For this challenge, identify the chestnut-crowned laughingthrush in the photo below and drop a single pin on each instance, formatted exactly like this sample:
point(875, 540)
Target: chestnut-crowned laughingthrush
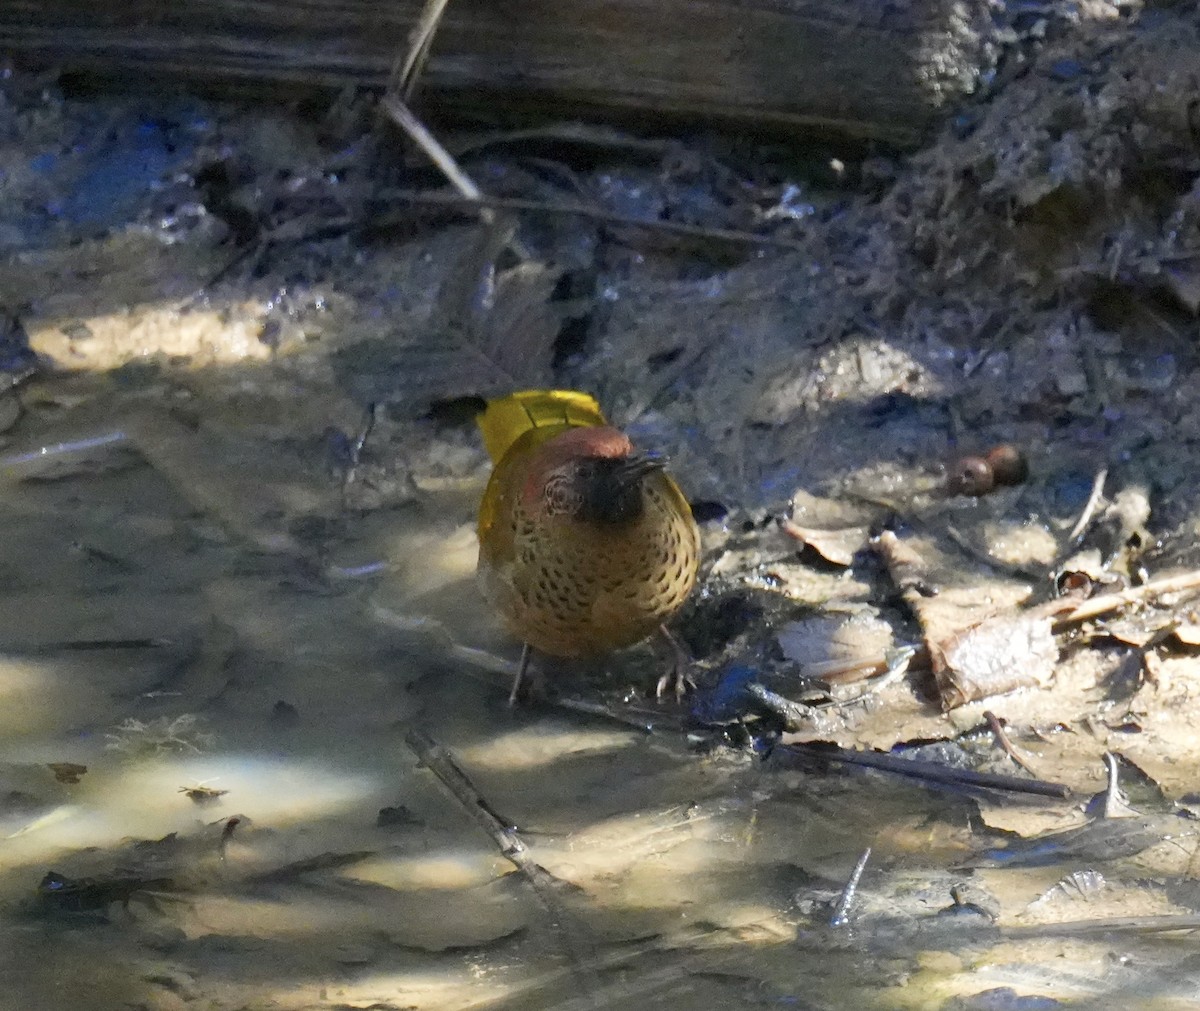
point(585, 544)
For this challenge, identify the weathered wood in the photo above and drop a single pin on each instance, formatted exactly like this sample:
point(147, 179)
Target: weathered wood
point(866, 68)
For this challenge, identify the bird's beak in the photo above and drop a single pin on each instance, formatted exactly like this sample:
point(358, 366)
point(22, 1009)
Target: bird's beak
point(636, 466)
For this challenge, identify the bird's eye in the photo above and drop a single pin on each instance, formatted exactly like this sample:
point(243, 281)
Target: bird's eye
point(559, 497)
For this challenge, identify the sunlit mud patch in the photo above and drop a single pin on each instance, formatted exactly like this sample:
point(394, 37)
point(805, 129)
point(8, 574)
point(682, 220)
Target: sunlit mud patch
point(205, 337)
point(152, 798)
point(23, 691)
point(540, 746)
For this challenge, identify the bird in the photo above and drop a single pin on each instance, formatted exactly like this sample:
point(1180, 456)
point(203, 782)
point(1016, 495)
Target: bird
point(586, 544)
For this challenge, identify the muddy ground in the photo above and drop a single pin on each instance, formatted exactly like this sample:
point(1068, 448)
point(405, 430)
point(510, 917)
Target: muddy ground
point(255, 746)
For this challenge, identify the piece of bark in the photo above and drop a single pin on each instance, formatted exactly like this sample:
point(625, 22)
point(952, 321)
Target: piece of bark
point(852, 67)
point(977, 646)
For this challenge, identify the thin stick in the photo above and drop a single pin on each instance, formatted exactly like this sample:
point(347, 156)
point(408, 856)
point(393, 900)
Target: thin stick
point(438, 761)
point(15, 461)
point(1005, 744)
point(356, 450)
point(522, 668)
point(543, 884)
point(841, 911)
point(1114, 804)
point(406, 119)
point(931, 771)
point(1089, 509)
point(1096, 606)
point(647, 723)
point(1113, 925)
point(406, 71)
point(733, 235)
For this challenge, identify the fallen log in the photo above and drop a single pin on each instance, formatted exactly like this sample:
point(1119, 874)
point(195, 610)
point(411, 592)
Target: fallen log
point(861, 68)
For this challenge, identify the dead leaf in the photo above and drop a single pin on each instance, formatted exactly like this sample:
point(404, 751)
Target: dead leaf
point(998, 655)
point(202, 795)
point(67, 772)
point(835, 546)
point(834, 647)
point(1188, 634)
point(1183, 281)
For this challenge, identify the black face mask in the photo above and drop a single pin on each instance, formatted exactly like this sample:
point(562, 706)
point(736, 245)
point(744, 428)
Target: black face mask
point(610, 491)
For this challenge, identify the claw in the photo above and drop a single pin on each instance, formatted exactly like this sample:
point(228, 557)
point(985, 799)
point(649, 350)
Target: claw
point(678, 672)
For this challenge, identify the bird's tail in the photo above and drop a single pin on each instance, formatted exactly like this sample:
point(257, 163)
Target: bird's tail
point(506, 419)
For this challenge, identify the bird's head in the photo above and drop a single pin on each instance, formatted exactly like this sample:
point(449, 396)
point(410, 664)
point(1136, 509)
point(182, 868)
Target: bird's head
point(590, 474)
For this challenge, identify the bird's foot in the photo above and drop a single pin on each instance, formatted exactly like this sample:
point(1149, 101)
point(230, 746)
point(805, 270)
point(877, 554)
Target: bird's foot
point(679, 670)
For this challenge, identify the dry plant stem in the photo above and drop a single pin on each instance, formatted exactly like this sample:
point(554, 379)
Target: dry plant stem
point(647, 724)
point(1089, 508)
point(404, 117)
point(1006, 745)
point(15, 464)
point(841, 912)
point(1116, 924)
point(406, 72)
point(1115, 803)
point(932, 772)
point(522, 668)
point(543, 884)
point(360, 441)
point(419, 134)
point(1096, 606)
point(83, 645)
point(438, 761)
point(731, 235)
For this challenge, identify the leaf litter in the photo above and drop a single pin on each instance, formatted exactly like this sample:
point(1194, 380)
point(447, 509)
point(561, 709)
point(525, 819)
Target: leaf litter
point(1022, 281)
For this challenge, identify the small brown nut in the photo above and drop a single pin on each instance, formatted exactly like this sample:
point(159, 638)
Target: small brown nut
point(970, 475)
point(1073, 583)
point(1008, 464)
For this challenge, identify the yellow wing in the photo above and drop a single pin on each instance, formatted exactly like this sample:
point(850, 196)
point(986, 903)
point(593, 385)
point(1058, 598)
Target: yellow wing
point(506, 419)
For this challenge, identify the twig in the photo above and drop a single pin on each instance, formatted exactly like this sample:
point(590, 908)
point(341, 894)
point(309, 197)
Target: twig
point(438, 761)
point(522, 670)
point(1096, 606)
point(1112, 803)
point(733, 235)
point(543, 884)
point(406, 71)
point(83, 645)
point(841, 911)
point(647, 723)
point(15, 461)
point(356, 448)
point(406, 119)
point(1006, 745)
point(419, 134)
point(1111, 925)
point(1089, 509)
point(895, 664)
point(931, 772)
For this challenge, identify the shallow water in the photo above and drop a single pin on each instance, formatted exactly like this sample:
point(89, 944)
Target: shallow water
point(166, 627)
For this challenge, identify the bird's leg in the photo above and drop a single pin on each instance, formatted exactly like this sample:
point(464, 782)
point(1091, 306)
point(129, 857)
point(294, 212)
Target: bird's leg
point(678, 672)
point(521, 669)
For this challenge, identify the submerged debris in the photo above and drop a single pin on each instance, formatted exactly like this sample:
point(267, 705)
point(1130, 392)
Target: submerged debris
point(179, 734)
point(85, 895)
